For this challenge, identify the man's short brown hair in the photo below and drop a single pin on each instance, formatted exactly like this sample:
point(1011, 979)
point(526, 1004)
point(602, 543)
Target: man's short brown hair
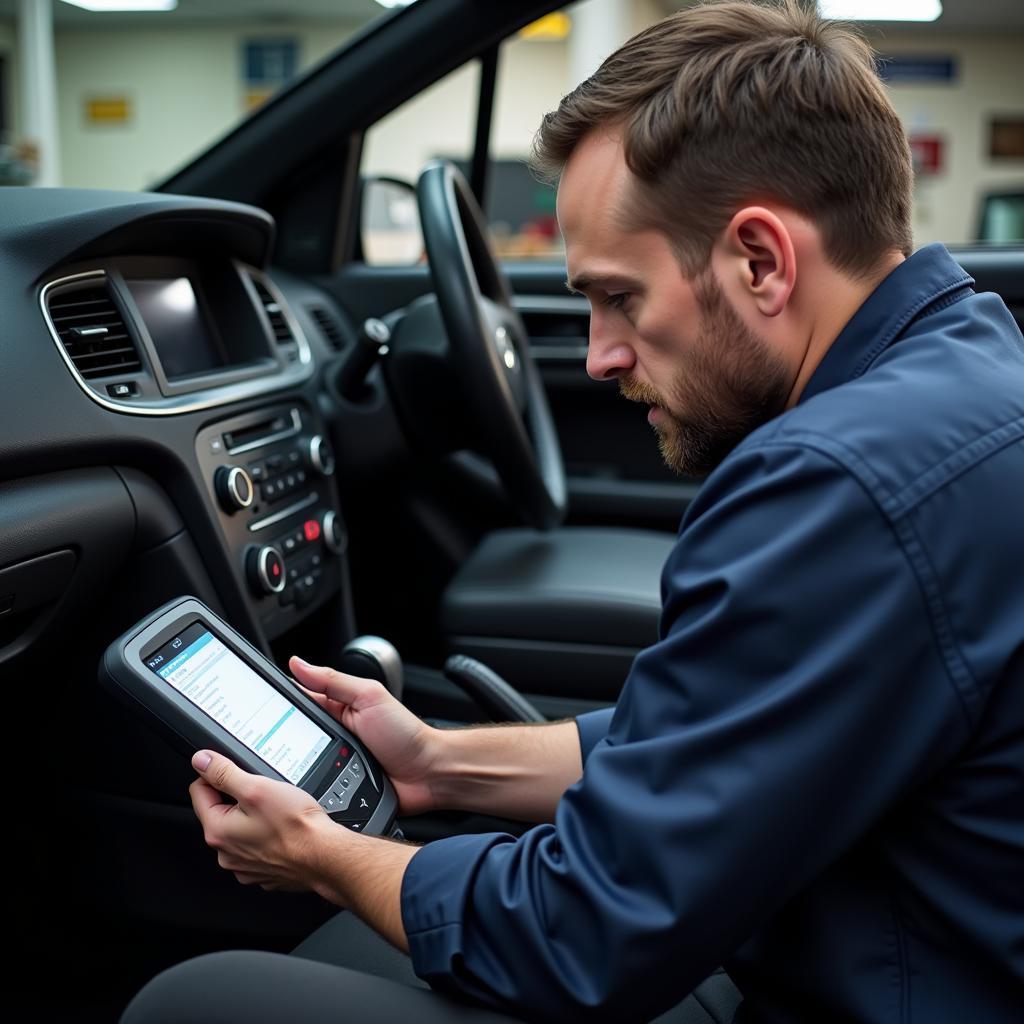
point(732, 102)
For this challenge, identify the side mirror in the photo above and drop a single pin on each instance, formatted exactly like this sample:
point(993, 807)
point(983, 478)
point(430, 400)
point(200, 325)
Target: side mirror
point(389, 222)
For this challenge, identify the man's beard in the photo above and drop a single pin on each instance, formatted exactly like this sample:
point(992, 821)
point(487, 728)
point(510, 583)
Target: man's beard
point(729, 384)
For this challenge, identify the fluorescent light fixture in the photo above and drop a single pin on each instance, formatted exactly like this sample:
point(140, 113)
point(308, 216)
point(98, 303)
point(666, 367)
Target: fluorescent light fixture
point(881, 10)
point(112, 6)
point(395, 3)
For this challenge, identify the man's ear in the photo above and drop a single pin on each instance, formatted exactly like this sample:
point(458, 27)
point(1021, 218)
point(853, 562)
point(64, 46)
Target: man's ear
point(760, 248)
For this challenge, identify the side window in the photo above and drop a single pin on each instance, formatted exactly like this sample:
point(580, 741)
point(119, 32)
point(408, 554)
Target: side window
point(959, 97)
point(438, 122)
point(531, 80)
point(536, 69)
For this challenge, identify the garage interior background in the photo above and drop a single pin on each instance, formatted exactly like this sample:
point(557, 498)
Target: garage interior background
point(135, 95)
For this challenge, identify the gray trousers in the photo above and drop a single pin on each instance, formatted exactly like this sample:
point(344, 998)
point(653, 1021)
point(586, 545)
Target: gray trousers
point(344, 973)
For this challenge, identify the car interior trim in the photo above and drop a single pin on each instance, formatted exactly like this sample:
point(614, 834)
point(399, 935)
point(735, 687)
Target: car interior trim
point(262, 524)
point(214, 397)
point(269, 438)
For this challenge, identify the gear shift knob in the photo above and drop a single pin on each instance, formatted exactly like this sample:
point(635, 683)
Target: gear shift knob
point(373, 657)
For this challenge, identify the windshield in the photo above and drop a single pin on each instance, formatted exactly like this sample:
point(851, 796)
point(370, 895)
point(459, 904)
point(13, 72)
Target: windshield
point(139, 94)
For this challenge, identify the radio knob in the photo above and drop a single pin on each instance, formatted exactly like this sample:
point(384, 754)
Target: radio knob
point(320, 455)
point(335, 535)
point(264, 568)
point(234, 488)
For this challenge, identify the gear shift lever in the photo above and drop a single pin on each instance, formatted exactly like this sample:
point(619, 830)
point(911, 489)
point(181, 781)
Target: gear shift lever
point(490, 691)
point(373, 657)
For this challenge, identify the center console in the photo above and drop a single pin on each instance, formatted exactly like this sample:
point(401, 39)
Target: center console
point(269, 475)
point(162, 335)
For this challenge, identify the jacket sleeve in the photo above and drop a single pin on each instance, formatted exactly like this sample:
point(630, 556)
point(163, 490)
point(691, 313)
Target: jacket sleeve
point(593, 727)
point(797, 691)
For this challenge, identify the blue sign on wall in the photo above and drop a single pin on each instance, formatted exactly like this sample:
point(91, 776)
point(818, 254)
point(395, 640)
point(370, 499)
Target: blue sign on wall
point(271, 61)
point(916, 69)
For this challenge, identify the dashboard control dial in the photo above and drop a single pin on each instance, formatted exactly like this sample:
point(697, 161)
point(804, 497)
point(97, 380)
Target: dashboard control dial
point(265, 570)
point(335, 536)
point(320, 455)
point(234, 488)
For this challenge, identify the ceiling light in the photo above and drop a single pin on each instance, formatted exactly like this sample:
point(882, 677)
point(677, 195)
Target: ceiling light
point(110, 6)
point(881, 10)
point(395, 3)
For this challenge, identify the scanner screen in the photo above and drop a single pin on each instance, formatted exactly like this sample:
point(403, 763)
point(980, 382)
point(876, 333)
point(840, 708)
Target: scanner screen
point(218, 682)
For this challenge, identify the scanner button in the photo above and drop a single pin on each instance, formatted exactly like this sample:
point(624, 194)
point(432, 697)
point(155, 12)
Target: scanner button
point(342, 790)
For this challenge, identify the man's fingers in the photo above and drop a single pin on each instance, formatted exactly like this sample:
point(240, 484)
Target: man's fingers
point(337, 685)
point(221, 773)
point(249, 879)
point(205, 798)
point(317, 698)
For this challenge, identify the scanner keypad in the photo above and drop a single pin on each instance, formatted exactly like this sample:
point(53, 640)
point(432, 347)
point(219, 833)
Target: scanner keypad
point(340, 792)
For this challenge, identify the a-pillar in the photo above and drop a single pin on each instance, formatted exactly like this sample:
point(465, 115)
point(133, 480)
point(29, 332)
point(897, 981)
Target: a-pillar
point(38, 86)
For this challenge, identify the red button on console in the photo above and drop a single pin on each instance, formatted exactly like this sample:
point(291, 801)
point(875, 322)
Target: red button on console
point(311, 528)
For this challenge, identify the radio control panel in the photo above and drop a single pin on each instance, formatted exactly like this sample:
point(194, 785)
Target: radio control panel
point(270, 479)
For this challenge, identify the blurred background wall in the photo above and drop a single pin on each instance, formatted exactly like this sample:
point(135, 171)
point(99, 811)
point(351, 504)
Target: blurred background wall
point(139, 94)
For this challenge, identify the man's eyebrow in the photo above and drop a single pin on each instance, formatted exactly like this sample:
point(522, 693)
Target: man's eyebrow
point(579, 284)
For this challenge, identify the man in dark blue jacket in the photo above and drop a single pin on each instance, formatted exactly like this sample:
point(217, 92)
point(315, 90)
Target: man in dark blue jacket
point(817, 774)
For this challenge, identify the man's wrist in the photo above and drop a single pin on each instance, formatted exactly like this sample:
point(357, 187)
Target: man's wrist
point(453, 766)
point(360, 873)
point(323, 856)
point(512, 770)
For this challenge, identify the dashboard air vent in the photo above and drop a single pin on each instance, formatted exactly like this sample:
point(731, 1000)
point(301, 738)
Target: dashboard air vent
point(93, 332)
point(275, 314)
point(327, 325)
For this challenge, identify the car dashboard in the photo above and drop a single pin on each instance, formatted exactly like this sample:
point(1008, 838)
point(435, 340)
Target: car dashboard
point(161, 394)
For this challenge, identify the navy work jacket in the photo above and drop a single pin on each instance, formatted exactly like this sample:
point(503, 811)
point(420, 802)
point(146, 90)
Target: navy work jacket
point(816, 776)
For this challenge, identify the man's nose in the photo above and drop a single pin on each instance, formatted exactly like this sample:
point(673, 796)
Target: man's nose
point(608, 356)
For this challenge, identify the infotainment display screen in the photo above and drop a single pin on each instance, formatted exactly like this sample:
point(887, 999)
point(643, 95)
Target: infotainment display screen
point(184, 339)
point(218, 682)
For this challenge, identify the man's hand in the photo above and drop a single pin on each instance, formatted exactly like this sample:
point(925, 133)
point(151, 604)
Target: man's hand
point(516, 770)
point(270, 837)
point(278, 837)
point(406, 747)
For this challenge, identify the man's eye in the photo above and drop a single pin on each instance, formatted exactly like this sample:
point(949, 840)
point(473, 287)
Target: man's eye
point(616, 301)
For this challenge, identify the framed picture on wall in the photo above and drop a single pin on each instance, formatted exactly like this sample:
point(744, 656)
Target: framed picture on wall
point(1006, 137)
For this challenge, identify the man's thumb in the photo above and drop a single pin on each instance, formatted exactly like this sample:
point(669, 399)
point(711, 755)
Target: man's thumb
point(220, 772)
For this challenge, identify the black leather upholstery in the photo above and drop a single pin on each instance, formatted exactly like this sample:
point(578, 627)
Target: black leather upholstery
point(558, 612)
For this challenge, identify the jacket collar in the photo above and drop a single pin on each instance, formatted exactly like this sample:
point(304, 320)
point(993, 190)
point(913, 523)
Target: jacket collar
point(928, 276)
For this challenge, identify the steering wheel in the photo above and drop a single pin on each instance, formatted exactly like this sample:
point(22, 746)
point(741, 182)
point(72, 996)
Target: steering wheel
point(507, 405)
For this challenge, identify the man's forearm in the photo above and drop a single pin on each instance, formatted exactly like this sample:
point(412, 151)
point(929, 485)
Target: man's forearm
point(362, 874)
point(515, 771)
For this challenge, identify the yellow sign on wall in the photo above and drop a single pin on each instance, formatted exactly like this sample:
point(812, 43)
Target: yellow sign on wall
point(108, 110)
point(550, 27)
